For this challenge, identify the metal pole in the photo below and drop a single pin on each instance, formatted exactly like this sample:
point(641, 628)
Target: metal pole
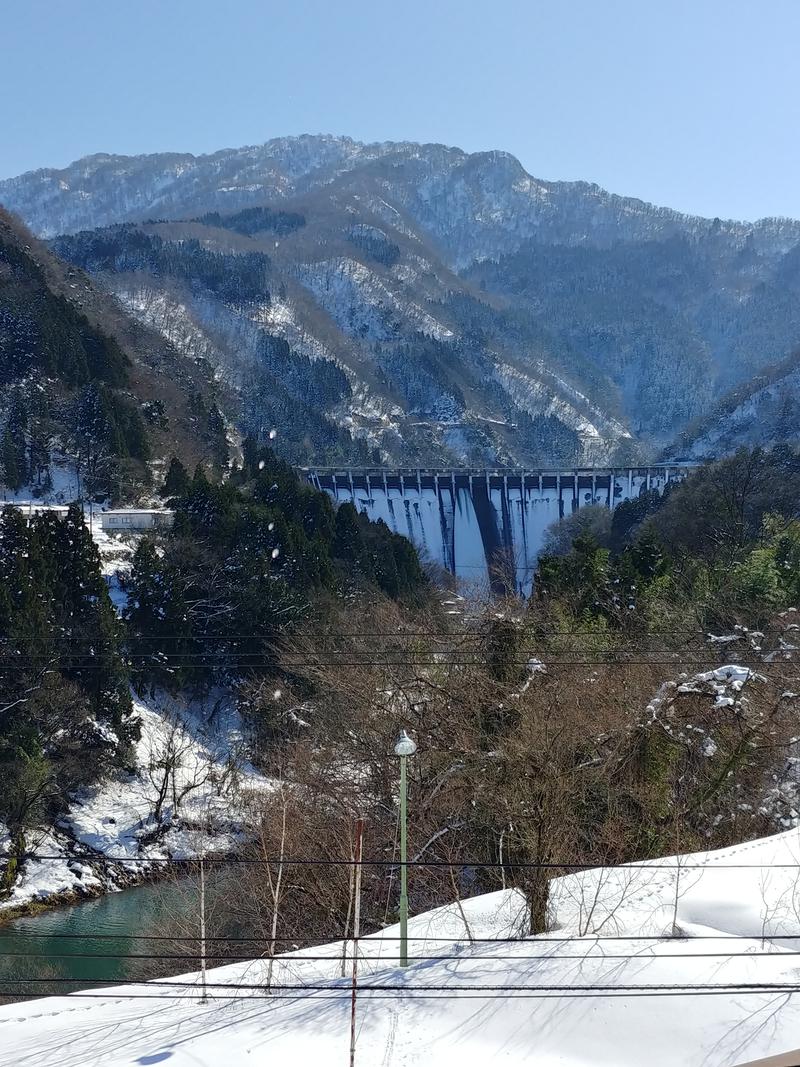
point(203, 927)
point(356, 932)
point(403, 865)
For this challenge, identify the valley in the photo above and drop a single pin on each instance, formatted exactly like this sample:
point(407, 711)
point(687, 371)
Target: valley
point(510, 465)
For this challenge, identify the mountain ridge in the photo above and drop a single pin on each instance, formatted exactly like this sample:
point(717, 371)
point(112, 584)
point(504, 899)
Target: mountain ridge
point(478, 314)
point(361, 151)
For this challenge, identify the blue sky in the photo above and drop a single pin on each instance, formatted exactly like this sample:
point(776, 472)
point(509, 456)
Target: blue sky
point(690, 104)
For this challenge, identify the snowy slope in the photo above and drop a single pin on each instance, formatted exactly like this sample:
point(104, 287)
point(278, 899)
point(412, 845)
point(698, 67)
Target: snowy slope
point(762, 413)
point(205, 810)
point(573, 998)
point(386, 341)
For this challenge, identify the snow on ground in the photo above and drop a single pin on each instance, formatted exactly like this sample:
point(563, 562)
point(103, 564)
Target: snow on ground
point(361, 303)
point(43, 878)
point(203, 790)
point(615, 983)
point(116, 559)
point(195, 755)
point(63, 489)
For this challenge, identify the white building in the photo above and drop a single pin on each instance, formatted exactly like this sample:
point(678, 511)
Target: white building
point(135, 519)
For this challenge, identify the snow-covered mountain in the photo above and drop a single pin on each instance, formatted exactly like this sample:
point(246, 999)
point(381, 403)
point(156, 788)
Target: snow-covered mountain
point(466, 311)
point(479, 205)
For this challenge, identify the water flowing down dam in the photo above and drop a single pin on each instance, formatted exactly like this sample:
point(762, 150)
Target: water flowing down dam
point(484, 526)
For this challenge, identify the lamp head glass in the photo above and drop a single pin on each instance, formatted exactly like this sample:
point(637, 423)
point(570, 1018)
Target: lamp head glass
point(405, 745)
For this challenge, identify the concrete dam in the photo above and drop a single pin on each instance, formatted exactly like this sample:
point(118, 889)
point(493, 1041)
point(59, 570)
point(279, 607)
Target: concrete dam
point(484, 526)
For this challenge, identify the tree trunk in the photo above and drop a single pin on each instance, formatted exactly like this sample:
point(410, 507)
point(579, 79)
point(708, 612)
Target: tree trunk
point(538, 892)
point(9, 875)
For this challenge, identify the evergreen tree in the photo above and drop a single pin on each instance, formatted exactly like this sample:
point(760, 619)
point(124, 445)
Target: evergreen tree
point(348, 540)
point(242, 561)
point(14, 444)
point(86, 613)
point(177, 480)
point(66, 680)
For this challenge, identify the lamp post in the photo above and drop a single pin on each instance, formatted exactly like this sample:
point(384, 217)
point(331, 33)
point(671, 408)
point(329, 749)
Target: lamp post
point(404, 748)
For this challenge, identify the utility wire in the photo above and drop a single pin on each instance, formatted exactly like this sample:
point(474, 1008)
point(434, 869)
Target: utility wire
point(643, 865)
point(399, 655)
point(204, 660)
point(383, 987)
point(413, 994)
point(471, 634)
point(542, 939)
point(646, 953)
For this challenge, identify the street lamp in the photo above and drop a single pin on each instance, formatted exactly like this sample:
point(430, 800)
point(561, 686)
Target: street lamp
point(404, 748)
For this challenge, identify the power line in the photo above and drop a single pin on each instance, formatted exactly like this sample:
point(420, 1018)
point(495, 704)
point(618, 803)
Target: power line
point(370, 938)
point(378, 657)
point(544, 939)
point(308, 654)
point(452, 637)
point(559, 659)
point(401, 657)
point(415, 956)
point(102, 994)
point(450, 989)
point(644, 865)
point(641, 642)
point(466, 634)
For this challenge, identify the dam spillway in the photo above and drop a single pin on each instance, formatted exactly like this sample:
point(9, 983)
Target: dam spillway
point(479, 524)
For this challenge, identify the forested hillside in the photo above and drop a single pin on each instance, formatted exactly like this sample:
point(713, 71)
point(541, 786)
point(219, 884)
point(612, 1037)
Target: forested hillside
point(421, 305)
point(245, 561)
point(673, 323)
point(90, 397)
point(763, 411)
point(209, 603)
point(341, 355)
point(65, 710)
point(208, 302)
point(716, 551)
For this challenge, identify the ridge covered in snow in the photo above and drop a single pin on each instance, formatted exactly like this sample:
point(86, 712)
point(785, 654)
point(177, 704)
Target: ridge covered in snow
point(508, 319)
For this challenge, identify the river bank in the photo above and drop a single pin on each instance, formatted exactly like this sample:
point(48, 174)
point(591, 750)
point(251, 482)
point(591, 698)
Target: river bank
point(108, 880)
point(140, 932)
point(192, 792)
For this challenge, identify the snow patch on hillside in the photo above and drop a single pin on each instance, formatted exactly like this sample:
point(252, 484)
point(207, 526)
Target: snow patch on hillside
point(599, 432)
point(171, 317)
point(64, 487)
point(361, 304)
point(190, 791)
point(202, 772)
point(279, 317)
point(769, 415)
